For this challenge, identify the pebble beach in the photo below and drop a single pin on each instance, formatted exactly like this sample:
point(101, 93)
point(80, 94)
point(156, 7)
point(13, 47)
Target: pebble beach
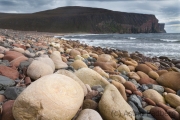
point(47, 78)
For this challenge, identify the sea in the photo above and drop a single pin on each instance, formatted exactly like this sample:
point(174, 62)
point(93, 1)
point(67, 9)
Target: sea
point(150, 44)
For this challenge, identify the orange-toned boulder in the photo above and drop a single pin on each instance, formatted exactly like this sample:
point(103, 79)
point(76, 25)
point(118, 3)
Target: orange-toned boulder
point(73, 53)
point(123, 67)
point(170, 80)
point(89, 104)
point(145, 79)
point(11, 55)
point(149, 101)
point(130, 86)
point(151, 65)
point(120, 88)
point(105, 66)
point(94, 55)
point(173, 114)
point(7, 110)
point(133, 75)
point(153, 95)
point(164, 106)
point(137, 92)
point(130, 61)
point(131, 68)
point(77, 64)
point(2, 98)
point(101, 72)
point(144, 68)
point(104, 58)
point(160, 72)
point(16, 62)
point(9, 72)
point(153, 75)
point(159, 114)
point(169, 90)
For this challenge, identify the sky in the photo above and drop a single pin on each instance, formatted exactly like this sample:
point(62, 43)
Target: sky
point(166, 11)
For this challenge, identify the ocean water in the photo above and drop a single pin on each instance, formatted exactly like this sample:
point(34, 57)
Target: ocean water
point(152, 44)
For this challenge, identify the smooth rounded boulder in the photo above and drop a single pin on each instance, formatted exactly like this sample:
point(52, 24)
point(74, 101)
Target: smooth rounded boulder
point(91, 77)
point(74, 77)
point(52, 97)
point(56, 58)
point(38, 69)
point(101, 72)
point(104, 58)
point(170, 80)
point(144, 68)
point(123, 67)
point(89, 114)
point(45, 59)
point(153, 95)
point(172, 99)
point(112, 105)
point(77, 64)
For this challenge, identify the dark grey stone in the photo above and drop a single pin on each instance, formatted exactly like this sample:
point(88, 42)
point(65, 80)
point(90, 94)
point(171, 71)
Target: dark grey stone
point(95, 87)
point(24, 64)
point(144, 117)
point(143, 87)
point(6, 82)
point(70, 68)
point(70, 60)
point(100, 89)
point(178, 93)
point(5, 63)
point(30, 50)
point(135, 83)
point(13, 92)
point(158, 88)
point(133, 106)
point(125, 77)
point(135, 100)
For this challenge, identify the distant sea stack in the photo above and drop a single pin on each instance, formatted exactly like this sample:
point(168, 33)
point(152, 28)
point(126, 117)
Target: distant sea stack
point(77, 19)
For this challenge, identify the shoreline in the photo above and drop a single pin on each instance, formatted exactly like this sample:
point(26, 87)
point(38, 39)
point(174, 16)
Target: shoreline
point(107, 83)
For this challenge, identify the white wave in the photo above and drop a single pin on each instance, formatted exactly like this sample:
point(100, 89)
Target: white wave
point(63, 38)
point(169, 40)
point(131, 38)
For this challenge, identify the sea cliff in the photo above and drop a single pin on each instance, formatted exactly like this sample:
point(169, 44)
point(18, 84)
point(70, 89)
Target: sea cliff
point(82, 19)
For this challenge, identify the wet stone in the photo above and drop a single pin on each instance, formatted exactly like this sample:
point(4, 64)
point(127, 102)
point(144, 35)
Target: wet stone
point(13, 92)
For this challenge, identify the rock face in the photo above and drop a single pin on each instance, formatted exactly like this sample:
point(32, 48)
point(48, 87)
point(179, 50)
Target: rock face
point(55, 96)
point(83, 19)
point(112, 105)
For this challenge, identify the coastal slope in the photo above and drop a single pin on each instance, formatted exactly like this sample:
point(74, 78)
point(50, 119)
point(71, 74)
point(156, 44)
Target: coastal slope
point(82, 19)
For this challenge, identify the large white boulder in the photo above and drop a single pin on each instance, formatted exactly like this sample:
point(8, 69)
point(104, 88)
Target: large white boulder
point(52, 97)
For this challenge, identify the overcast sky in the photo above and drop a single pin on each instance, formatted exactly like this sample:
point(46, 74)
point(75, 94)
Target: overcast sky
point(166, 11)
